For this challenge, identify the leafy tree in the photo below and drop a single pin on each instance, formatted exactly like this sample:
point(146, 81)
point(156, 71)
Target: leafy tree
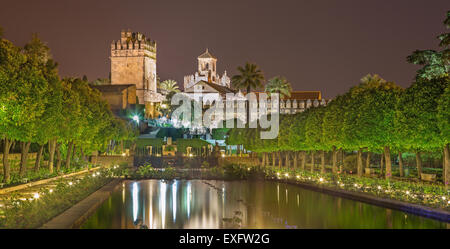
point(417, 109)
point(47, 127)
point(22, 86)
point(436, 64)
point(443, 119)
point(378, 113)
point(313, 132)
point(72, 118)
point(332, 128)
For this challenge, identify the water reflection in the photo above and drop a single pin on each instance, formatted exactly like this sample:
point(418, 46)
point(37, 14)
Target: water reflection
point(174, 200)
point(135, 201)
point(240, 204)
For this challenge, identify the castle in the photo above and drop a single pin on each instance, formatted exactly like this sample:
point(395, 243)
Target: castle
point(133, 61)
point(134, 80)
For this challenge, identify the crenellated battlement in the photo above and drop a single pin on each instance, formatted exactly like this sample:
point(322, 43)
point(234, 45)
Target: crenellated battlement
point(133, 44)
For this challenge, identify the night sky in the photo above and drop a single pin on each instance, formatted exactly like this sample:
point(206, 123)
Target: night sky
point(316, 45)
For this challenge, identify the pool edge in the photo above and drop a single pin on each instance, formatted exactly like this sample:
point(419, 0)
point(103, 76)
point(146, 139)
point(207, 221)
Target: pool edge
point(424, 211)
point(76, 215)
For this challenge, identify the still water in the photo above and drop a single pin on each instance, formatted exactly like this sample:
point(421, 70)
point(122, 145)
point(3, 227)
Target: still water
point(240, 204)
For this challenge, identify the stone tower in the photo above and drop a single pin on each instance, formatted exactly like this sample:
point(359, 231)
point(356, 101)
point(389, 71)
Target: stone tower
point(206, 71)
point(207, 66)
point(133, 61)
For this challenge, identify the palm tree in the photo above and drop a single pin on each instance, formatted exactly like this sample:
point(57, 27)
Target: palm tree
point(249, 77)
point(168, 86)
point(279, 85)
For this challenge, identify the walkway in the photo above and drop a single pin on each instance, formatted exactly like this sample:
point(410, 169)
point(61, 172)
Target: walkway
point(30, 191)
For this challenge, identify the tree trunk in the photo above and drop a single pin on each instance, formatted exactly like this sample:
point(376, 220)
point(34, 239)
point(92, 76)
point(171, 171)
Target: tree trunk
point(446, 165)
point(74, 150)
point(419, 164)
point(303, 160)
point(263, 159)
point(295, 159)
point(312, 161)
point(82, 153)
point(341, 163)
point(382, 164)
point(51, 153)
point(280, 159)
point(368, 159)
point(25, 147)
point(68, 156)
point(37, 164)
point(288, 161)
point(58, 157)
point(400, 164)
point(359, 163)
point(273, 159)
point(6, 170)
point(334, 167)
point(387, 155)
point(266, 156)
point(322, 161)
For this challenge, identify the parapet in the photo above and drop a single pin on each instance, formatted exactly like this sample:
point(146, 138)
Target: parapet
point(133, 41)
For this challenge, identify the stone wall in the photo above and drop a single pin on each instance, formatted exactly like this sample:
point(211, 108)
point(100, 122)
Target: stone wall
point(16, 156)
point(112, 160)
point(247, 161)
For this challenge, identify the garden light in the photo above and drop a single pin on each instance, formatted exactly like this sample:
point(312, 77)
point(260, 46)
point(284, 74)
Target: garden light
point(321, 179)
point(36, 196)
point(287, 175)
point(136, 118)
point(70, 183)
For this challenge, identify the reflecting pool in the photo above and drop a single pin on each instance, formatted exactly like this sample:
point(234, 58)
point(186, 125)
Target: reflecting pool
point(241, 204)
